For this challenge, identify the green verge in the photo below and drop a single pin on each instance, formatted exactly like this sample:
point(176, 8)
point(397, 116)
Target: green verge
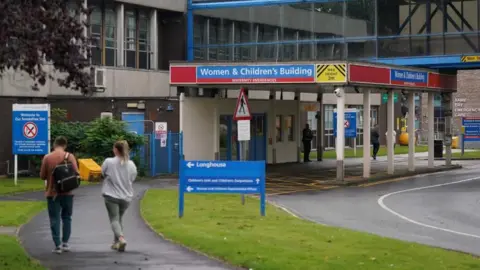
point(218, 225)
point(349, 153)
point(7, 185)
point(12, 255)
point(467, 155)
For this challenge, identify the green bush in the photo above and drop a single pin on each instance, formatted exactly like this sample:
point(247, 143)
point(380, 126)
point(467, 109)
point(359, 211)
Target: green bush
point(92, 139)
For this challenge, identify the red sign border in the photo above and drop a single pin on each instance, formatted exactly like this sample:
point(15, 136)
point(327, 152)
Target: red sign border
point(25, 135)
point(242, 94)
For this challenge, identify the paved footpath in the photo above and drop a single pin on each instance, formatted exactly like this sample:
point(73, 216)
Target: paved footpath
point(92, 237)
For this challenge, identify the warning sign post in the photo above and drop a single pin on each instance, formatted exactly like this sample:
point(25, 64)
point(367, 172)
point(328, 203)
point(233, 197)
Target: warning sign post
point(30, 131)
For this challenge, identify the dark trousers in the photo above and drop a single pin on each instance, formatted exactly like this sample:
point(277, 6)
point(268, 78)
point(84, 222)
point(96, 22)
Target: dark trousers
point(307, 147)
point(376, 147)
point(60, 210)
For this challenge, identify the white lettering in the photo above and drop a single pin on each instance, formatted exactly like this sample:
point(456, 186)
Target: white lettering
point(214, 72)
point(211, 165)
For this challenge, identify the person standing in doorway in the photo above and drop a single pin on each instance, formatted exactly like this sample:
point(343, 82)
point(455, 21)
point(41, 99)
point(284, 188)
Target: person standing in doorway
point(307, 143)
point(60, 205)
point(118, 173)
point(375, 140)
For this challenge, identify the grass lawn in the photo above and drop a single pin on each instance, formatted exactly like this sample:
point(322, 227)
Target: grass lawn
point(12, 255)
point(14, 213)
point(220, 226)
point(470, 154)
point(349, 153)
point(7, 186)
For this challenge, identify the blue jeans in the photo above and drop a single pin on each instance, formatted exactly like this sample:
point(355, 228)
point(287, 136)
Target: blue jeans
point(60, 210)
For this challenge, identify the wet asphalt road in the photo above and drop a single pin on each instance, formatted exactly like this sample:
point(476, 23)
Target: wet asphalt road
point(435, 209)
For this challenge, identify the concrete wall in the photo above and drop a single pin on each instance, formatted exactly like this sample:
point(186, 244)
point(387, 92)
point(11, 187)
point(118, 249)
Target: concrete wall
point(292, 18)
point(175, 5)
point(121, 82)
point(199, 122)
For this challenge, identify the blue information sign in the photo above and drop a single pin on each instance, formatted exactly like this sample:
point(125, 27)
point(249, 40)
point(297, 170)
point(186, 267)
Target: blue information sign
point(350, 123)
point(233, 177)
point(472, 129)
point(31, 129)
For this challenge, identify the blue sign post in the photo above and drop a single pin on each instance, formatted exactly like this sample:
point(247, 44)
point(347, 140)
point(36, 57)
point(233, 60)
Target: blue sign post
point(472, 129)
point(350, 123)
point(230, 177)
point(30, 131)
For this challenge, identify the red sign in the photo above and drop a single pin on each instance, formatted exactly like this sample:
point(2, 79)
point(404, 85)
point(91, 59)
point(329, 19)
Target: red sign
point(242, 109)
point(30, 130)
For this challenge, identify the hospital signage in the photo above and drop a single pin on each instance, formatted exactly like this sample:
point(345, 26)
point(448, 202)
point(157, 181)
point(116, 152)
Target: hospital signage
point(409, 78)
point(256, 74)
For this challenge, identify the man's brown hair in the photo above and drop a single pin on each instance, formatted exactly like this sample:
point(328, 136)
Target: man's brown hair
point(60, 141)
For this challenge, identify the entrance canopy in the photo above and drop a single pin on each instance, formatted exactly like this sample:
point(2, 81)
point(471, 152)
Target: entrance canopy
point(308, 76)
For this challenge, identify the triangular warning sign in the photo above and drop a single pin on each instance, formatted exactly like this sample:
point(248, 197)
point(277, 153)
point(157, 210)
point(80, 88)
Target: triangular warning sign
point(242, 110)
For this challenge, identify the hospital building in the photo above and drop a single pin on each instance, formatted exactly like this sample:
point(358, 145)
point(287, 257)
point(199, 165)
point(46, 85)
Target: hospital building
point(138, 40)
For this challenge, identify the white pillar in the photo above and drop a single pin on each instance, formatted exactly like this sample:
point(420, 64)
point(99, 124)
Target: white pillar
point(390, 122)
point(298, 128)
point(431, 129)
point(153, 40)
point(340, 139)
point(273, 125)
point(120, 13)
point(320, 127)
point(448, 129)
point(181, 102)
point(411, 131)
point(366, 133)
point(216, 130)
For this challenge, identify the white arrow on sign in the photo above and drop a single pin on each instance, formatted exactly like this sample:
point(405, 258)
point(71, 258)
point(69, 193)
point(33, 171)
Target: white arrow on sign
point(190, 165)
point(189, 188)
point(258, 181)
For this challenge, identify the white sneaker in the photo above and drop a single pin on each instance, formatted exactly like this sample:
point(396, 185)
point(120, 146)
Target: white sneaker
point(121, 244)
point(57, 250)
point(65, 247)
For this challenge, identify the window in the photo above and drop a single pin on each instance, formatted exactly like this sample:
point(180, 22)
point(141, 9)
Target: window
point(143, 41)
point(278, 124)
point(199, 35)
point(96, 35)
point(137, 39)
point(102, 30)
point(289, 127)
point(243, 34)
point(130, 39)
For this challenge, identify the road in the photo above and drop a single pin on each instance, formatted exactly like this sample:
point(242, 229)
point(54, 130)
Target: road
point(441, 209)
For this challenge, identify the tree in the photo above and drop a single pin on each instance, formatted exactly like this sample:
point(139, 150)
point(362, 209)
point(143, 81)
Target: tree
point(38, 32)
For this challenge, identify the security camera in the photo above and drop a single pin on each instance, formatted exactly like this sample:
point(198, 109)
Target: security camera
point(338, 92)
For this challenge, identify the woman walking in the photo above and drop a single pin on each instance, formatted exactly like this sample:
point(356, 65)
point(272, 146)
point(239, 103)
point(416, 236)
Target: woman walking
point(118, 174)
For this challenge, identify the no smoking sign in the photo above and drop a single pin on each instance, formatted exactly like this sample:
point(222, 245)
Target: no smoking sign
point(30, 130)
point(346, 124)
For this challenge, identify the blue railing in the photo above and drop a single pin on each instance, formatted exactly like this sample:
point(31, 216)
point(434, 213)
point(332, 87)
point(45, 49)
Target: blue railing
point(166, 155)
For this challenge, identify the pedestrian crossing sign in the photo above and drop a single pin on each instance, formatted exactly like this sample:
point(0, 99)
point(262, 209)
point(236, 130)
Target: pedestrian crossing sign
point(242, 109)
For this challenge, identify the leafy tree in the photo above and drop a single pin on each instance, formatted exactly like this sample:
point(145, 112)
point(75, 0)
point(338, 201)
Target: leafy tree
point(36, 32)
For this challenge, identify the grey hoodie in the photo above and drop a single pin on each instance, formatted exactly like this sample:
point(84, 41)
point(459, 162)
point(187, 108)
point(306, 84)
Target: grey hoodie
point(118, 178)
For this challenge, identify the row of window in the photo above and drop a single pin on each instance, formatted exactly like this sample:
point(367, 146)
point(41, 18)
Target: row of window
point(103, 31)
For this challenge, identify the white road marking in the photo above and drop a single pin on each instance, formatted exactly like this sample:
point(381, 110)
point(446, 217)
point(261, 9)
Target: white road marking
point(382, 204)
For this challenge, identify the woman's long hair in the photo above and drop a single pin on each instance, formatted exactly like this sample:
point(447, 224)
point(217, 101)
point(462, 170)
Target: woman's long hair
point(124, 150)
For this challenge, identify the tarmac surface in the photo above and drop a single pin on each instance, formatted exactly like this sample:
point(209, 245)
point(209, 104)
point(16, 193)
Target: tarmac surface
point(92, 237)
point(440, 209)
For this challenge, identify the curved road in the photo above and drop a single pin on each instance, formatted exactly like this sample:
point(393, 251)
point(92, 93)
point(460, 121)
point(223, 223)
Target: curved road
point(441, 209)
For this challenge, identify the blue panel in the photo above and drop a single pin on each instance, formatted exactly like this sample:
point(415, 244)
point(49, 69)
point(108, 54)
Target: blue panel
point(169, 154)
point(252, 3)
point(350, 122)
point(135, 123)
point(30, 130)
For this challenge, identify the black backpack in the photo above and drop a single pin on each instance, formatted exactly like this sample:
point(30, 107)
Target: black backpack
point(65, 178)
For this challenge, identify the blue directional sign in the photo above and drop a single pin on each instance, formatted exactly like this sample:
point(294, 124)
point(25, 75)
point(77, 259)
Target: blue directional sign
point(31, 129)
point(350, 123)
point(233, 177)
point(472, 129)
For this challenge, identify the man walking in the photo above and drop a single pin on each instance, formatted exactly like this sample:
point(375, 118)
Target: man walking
point(60, 206)
point(307, 143)
point(375, 140)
